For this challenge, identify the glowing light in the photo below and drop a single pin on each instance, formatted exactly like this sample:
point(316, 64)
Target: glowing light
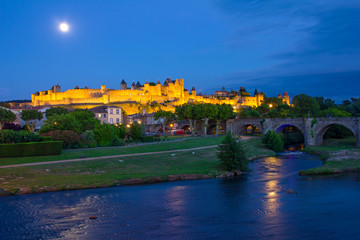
point(270, 105)
point(171, 125)
point(64, 27)
point(128, 125)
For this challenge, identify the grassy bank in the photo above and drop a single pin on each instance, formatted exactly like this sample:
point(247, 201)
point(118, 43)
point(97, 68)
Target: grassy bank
point(118, 171)
point(110, 151)
point(339, 156)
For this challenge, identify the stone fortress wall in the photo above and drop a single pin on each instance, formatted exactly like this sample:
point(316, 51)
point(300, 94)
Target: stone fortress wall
point(172, 91)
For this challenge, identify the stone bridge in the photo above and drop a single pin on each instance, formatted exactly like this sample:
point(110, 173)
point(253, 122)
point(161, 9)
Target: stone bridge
point(313, 129)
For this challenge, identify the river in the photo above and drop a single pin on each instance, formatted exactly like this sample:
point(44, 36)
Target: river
point(253, 206)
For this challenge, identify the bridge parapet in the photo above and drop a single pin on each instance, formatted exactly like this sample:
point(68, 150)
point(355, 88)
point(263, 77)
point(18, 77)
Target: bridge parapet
point(312, 128)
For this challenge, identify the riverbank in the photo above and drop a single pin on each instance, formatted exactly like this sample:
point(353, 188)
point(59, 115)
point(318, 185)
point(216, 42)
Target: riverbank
point(338, 155)
point(121, 170)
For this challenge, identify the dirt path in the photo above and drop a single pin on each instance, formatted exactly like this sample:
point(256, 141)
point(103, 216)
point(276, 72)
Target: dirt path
point(105, 157)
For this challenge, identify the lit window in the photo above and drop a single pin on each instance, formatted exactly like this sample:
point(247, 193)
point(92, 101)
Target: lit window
point(111, 111)
point(99, 115)
point(111, 121)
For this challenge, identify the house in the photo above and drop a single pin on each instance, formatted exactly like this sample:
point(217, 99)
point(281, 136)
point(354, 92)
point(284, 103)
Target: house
point(109, 114)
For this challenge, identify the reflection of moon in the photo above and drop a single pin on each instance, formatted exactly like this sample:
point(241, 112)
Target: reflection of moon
point(64, 27)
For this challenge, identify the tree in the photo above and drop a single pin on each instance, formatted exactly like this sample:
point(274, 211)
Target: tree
point(187, 112)
point(207, 111)
point(105, 134)
point(136, 130)
point(6, 116)
point(334, 112)
point(62, 123)
point(86, 119)
point(231, 154)
point(273, 141)
point(325, 103)
point(164, 117)
point(272, 102)
point(305, 105)
point(248, 113)
point(224, 112)
point(30, 117)
point(56, 111)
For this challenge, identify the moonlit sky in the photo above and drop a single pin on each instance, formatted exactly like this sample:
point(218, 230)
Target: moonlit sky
point(308, 46)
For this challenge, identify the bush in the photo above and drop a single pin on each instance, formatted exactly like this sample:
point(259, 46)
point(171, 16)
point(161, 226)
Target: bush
point(136, 130)
point(273, 141)
point(266, 138)
point(232, 154)
point(121, 131)
point(30, 136)
point(70, 138)
point(118, 142)
point(148, 139)
point(12, 126)
point(87, 136)
point(61, 123)
point(10, 136)
point(105, 134)
point(30, 149)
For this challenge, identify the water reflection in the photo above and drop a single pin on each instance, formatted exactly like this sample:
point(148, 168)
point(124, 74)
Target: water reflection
point(252, 206)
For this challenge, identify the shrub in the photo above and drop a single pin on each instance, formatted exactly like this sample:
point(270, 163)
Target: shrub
point(273, 141)
point(87, 136)
point(30, 136)
point(10, 136)
point(12, 126)
point(105, 134)
point(118, 142)
point(266, 137)
point(232, 154)
point(61, 123)
point(148, 139)
point(121, 131)
point(30, 149)
point(136, 130)
point(70, 138)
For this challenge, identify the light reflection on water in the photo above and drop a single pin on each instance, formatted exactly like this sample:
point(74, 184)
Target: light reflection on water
point(253, 206)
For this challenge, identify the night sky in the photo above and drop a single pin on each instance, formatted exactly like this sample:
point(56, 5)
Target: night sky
point(308, 46)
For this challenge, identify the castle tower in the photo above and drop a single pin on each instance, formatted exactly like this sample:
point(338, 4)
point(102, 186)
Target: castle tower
point(123, 85)
point(286, 98)
point(193, 91)
point(103, 88)
point(56, 88)
point(133, 86)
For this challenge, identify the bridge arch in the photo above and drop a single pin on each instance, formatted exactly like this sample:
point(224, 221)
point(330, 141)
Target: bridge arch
point(279, 127)
point(243, 127)
point(319, 138)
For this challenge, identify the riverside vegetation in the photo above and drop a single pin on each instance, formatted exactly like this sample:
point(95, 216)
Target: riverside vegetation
point(339, 156)
point(192, 164)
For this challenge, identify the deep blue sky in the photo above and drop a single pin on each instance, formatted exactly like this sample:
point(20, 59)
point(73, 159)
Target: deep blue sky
point(308, 46)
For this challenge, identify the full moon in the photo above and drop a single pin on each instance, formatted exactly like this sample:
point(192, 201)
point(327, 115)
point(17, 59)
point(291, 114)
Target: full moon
point(64, 27)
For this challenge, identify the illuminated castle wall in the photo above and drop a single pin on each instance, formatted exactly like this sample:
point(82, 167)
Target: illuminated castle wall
point(172, 93)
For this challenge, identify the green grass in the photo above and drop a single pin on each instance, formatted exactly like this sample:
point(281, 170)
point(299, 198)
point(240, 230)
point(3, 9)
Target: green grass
point(331, 167)
point(255, 148)
point(109, 151)
point(107, 172)
point(333, 145)
point(111, 172)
